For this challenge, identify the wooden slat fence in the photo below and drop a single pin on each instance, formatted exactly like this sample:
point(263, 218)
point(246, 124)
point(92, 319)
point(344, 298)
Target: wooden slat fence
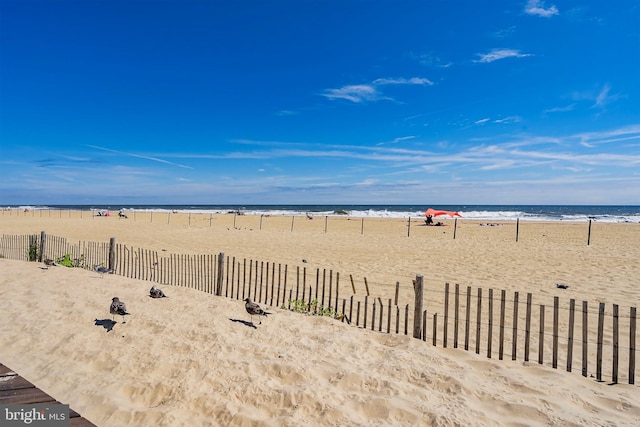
point(562, 334)
point(31, 248)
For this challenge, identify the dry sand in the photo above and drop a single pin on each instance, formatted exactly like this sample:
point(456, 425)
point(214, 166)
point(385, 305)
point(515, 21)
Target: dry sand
point(190, 360)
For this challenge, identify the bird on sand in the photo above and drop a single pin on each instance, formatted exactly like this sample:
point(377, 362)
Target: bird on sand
point(253, 308)
point(118, 307)
point(156, 293)
point(49, 262)
point(102, 270)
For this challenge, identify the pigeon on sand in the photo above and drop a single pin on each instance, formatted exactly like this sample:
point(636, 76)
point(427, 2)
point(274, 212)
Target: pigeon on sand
point(156, 293)
point(118, 307)
point(253, 308)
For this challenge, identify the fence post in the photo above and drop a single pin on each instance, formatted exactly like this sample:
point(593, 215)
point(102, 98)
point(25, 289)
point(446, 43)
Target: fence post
point(632, 345)
point(541, 339)
point(572, 308)
point(585, 336)
point(112, 253)
point(424, 325)
point(502, 310)
point(514, 344)
point(446, 315)
point(600, 341)
point(527, 328)
point(43, 244)
point(479, 323)
point(220, 277)
point(614, 374)
point(554, 361)
point(417, 316)
point(467, 319)
point(490, 327)
point(456, 315)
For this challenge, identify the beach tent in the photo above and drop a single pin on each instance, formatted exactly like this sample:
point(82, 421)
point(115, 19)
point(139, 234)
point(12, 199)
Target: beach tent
point(434, 213)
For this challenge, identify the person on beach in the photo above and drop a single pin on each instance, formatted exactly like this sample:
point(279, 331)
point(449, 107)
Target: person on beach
point(429, 220)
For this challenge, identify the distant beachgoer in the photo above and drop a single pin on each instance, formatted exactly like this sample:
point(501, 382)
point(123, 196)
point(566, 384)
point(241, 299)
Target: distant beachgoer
point(429, 220)
point(309, 216)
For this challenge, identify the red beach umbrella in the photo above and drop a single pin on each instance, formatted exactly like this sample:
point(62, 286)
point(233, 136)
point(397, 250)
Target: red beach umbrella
point(434, 213)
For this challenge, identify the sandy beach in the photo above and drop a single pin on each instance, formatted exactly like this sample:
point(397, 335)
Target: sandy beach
point(192, 359)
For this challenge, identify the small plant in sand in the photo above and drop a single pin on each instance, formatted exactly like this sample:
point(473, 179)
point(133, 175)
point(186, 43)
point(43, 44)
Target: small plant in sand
point(299, 306)
point(67, 261)
point(32, 254)
point(313, 307)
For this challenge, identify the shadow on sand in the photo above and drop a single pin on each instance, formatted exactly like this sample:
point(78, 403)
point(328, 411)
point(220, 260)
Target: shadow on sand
point(245, 323)
point(108, 324)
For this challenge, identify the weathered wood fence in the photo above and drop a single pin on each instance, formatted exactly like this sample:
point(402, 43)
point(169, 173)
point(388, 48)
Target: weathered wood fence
point(36, 247)
point(507, 327)
point(493, 325)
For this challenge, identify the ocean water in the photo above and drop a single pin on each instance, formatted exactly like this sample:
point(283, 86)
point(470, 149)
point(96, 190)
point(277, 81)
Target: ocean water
point(582, 213)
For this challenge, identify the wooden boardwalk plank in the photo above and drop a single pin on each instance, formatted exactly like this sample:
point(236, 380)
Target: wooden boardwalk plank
point(4, 370)
point(13, 382)
point(24, 395)
point(16, 390)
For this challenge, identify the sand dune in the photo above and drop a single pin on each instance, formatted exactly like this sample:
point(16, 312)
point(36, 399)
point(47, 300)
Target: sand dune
point(192, 359)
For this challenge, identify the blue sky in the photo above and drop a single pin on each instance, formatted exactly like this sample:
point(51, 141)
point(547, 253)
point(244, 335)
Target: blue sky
point(385, 102)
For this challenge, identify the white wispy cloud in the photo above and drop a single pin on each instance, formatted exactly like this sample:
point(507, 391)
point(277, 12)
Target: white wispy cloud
point(355, 93)
point(600, 97)
point(564, 109)
point(505, 33)
point(140, 156)
point(510, 119)
point(430, 60)
point(526, 151)
point(515, 161)
point(592, 139)
point(497, 54)
point(401, 81)
point(537, 8)
point(370, 92)
point(604, 97)
point(286, 113)
point(403, 138)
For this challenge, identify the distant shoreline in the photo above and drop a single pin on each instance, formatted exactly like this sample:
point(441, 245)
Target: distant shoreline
point(581, 213)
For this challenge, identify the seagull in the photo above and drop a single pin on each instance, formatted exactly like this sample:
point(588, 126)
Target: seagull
point(118, 307)
point(102, 270)
point(156, 293)
point(253, 308)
